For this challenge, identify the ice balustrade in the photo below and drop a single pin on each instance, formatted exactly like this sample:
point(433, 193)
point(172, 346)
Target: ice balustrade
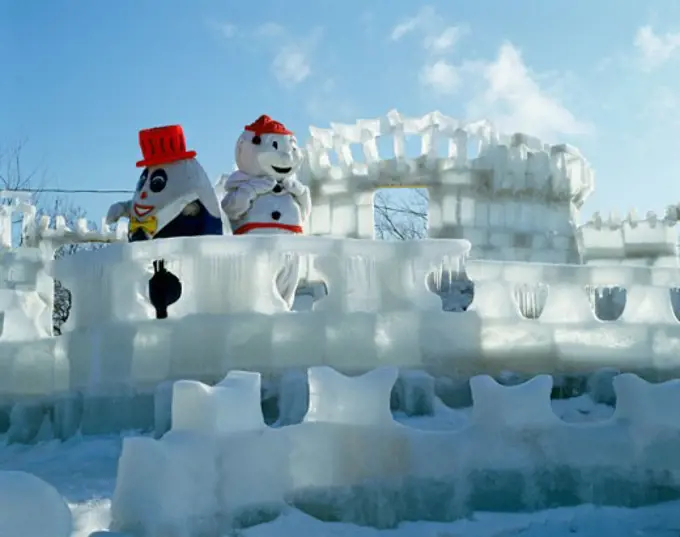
point(378, 310)
point(221, 463)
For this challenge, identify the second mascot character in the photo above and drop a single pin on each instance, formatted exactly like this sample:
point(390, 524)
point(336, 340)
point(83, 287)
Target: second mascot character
point(263, 195)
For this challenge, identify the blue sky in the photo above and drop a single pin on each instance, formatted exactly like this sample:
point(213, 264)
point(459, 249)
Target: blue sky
point(81, 78)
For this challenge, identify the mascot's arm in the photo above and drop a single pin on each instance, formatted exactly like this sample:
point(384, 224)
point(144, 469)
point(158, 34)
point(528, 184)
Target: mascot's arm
point(237, 201)
point(301, 194)
point(242, 191)
point(118, 211)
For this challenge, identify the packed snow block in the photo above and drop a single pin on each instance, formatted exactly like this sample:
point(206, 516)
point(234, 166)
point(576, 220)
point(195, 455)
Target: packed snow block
point(293, 400)
point(162, 408)
point(600, 386)
point(365, 399)
point(231, 406)
point(30, 507)
point(414, 393)
point(168, 486)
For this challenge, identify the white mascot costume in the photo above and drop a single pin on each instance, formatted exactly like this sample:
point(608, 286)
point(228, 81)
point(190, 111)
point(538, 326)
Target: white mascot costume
point(264, 196)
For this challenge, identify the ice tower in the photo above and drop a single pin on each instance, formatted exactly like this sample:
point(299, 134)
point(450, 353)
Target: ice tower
point(514, 197)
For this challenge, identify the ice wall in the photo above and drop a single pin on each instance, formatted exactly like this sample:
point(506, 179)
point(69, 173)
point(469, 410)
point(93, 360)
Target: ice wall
point(513, 197)
point(378, 310)
point(220, 464)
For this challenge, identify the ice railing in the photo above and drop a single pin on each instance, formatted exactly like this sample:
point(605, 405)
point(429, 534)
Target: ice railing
point(360, 276)
point(220, 461)
point(619, 238)
point(519, 162)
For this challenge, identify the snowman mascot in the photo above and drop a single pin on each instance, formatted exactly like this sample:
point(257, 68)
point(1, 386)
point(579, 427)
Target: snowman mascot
point(264, 196)
point(173, 196)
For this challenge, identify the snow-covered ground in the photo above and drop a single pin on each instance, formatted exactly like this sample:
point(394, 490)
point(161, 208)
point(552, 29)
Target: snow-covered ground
point(84, 469)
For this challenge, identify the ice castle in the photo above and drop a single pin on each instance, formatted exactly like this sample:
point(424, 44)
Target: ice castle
point(370, 324)
point(502, 212)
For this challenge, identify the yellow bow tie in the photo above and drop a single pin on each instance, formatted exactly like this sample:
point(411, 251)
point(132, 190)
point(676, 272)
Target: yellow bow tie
point(148, 225)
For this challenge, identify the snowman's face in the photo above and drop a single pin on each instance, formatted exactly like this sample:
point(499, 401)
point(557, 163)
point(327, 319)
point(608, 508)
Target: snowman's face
point(160, 185)
point(272, 155)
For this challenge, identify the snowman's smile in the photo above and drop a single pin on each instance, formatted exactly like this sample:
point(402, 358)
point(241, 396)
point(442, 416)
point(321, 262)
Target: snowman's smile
point(281, 170)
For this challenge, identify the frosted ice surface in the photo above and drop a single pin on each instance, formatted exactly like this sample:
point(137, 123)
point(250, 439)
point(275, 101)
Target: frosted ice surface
point(646, 404)
point(363, 400)
point(30, 507)
point(233, 405)
point(522, 405)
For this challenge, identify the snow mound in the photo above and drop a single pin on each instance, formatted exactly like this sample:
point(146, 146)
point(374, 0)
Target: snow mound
point(349, 460)
point(30, 507)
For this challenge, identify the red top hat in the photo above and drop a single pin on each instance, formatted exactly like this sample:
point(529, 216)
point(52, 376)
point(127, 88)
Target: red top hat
point(266, 125)
point(163, 145)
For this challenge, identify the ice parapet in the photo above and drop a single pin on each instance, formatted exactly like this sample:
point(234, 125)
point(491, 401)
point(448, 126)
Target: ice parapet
point(30, 507)
point(192, 479)
point(231, 406)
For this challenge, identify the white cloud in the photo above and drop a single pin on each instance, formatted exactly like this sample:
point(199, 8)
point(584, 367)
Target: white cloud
point(409, 25)
point(438, 37)
point(290, 66)
point(513, 99)
point(446, 40)
point(291, 61)
point(440, 77)
point(655, 49)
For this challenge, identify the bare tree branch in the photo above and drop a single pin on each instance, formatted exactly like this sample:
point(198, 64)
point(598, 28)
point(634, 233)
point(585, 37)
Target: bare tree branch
point(14, 176)
point(400, 214)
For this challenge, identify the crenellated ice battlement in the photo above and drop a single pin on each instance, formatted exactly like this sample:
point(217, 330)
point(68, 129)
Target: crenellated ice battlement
point(229, 464)
point(630, 239)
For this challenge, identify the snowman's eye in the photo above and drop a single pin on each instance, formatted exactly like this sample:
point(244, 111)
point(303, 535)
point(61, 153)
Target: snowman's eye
point(257, 140)
point(275, 145)
point(158, 180)
point(142, 179)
